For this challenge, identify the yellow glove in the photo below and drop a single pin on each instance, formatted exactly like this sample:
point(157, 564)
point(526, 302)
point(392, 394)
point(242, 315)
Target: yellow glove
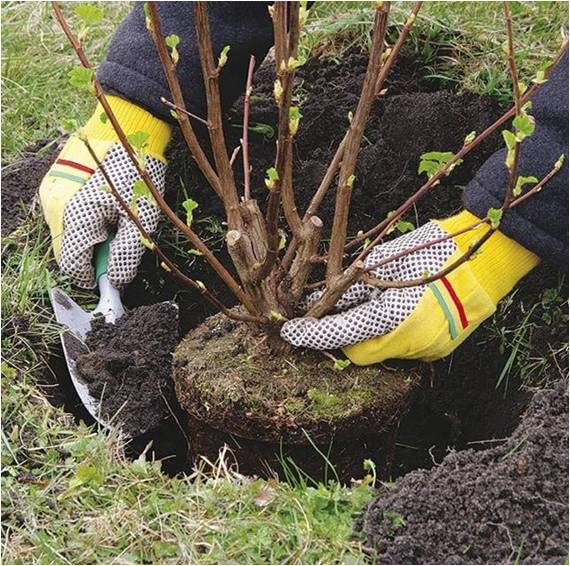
point(427, 321)
point(79, 213)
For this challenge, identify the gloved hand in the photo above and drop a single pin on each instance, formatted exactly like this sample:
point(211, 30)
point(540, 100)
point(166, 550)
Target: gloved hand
point(78, 209)
point(428, 321)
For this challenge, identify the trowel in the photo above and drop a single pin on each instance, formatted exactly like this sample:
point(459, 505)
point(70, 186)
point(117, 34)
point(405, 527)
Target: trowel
point(77, 323)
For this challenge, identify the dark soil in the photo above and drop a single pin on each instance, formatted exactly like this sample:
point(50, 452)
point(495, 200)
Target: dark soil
point(20, 182)
point(505, 505)
point(129, 366)
point(268, 407)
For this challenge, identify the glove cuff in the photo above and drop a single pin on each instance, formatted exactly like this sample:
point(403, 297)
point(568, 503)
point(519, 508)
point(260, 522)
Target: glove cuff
point(132, 119)
point(500, 263)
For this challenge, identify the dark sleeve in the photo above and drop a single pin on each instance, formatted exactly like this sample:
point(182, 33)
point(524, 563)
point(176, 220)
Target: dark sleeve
point(133, 71)
point(541, 223)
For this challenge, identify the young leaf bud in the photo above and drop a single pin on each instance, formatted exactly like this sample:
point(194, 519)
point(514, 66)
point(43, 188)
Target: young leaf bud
point(223, 58)
point(277, 91)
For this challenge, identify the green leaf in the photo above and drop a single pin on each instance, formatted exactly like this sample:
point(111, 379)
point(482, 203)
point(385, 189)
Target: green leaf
point(524, 126)
point(560, 162)
point(340, 365)
point(89, 13)
point(540, 78)
point(350, 181)
point(395, 519)
point(404, 226)
point(172, 41)
point(141, 190)
point(7, 370)
point(510, 139)
point(294, 119)
point(69, 124)
point(139, 141)
point(282, 240)
point(147, 18)
point(259, 128)
point(432, 161)
point(272, 178)
point(430, 168)
point(103, 117)
point(264, 129)
point(495, 215)
point(521, 182)
point(439, 156)
point(189, 206)
point(146, 243)
point(81, 78)
point(223, 58)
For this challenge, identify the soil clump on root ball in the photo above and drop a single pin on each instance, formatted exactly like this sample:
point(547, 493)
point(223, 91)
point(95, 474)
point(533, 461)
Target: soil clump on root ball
point(129, 365)
point(268, 407)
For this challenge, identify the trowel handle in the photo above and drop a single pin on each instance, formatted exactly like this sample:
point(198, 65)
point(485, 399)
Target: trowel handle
point(101, 256)
point(110, 304)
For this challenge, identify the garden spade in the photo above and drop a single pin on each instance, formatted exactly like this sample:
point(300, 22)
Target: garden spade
point(77, 323)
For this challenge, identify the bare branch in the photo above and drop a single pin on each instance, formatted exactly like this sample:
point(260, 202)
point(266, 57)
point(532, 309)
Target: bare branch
point(354, 138)
point(211, 72)
point(183, 110)
point(174, 86)
point(395, 51)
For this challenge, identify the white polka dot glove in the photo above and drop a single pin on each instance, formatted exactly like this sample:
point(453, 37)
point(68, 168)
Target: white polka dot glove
point(81, 211)
point(423, 322)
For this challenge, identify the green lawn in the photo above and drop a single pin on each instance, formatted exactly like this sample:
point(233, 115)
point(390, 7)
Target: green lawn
point(69, 494)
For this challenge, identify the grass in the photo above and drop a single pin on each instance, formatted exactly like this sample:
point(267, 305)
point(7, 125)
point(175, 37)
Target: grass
point(69, 494)
point(36, 95)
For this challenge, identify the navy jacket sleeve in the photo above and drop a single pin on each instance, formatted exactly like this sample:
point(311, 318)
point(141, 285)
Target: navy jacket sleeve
point(541, 223)
point(133, 70)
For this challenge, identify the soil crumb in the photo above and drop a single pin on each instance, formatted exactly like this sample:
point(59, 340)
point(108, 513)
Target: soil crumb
point(505, 505)
point(129, 366)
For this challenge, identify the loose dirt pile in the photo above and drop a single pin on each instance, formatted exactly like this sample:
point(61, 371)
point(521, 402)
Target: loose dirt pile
point(129, 366)
point(506, 505)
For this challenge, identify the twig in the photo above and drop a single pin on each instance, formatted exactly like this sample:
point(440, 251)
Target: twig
point(513, 168)
point(384, 284)
point(395, 51)
point(245, 132)
point(183, 110)
point(472, 249)
point(384, 261)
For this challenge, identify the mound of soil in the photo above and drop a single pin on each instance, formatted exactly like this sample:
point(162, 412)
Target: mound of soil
point(505, 505)
point(128, 366)
point(228, 380)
